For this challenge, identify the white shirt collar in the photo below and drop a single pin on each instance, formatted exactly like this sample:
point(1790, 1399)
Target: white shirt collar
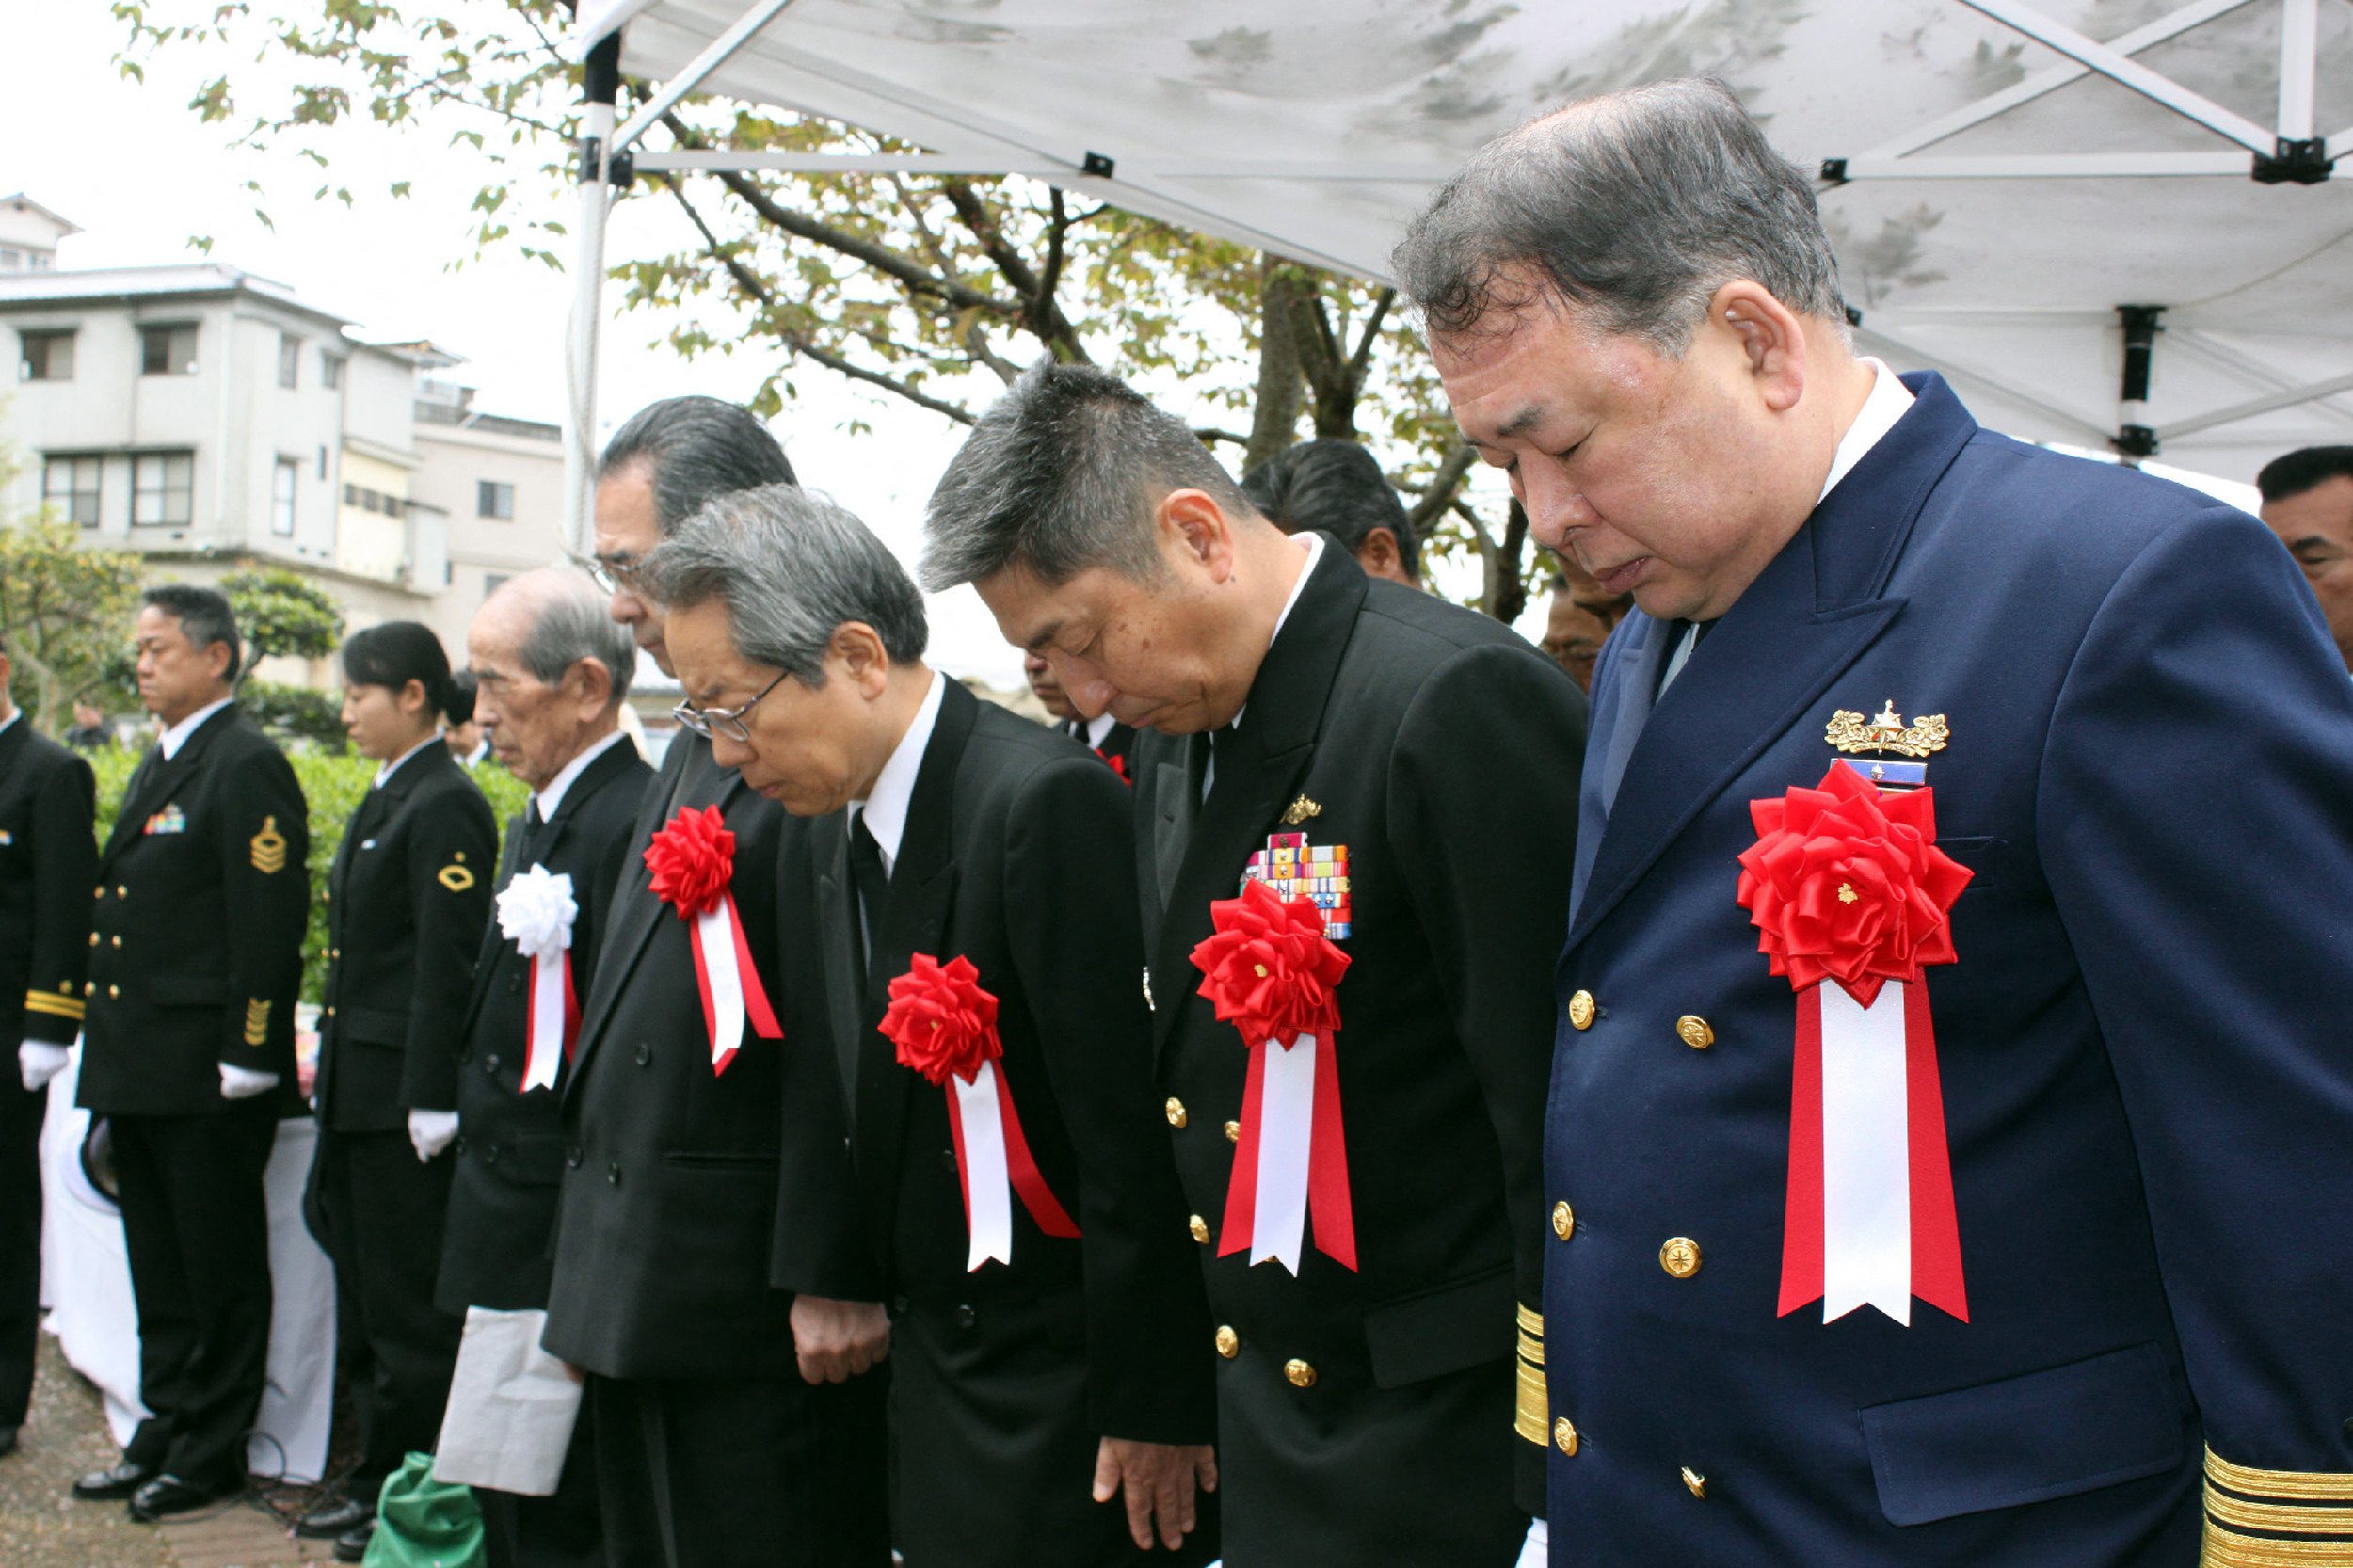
point(10, 722)
point(176, 735)
point(1315, 552)
point(885, 807)
point(1092, 730)
point(553, 796)
point(1889, 398)
point(393, 766)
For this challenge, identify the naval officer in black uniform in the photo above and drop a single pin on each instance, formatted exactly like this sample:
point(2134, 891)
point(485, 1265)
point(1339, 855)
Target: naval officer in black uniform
point(1397, 765)
point(48, 859)
point(187, 1049)
point(408, 898)
point(732, 1423)
point(1050, 1333)
point(550, 670)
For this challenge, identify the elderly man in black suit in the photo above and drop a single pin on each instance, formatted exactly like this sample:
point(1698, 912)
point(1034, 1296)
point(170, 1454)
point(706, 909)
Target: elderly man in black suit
point(1366, 788)
point(971, 875)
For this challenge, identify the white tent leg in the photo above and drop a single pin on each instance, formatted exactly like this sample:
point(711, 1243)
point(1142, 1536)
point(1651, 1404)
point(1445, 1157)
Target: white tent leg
point(579, 348)
point(2299, 66)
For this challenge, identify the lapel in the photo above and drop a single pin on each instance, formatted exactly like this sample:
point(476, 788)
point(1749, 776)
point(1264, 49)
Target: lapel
point(1177, 805)
point(162, 779)
point(13, 740)
point(1259, 767)
point(914, 920)
point(377, 808)
point(1814, 609)
point(838, 936)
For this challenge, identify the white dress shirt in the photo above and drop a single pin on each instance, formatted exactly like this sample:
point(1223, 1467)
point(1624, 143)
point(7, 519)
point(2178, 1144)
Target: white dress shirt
point(885, 807)
point(176, 735)
point(552, 796)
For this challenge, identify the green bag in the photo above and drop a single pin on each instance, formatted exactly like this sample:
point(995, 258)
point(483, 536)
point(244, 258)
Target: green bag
point(423, 1522)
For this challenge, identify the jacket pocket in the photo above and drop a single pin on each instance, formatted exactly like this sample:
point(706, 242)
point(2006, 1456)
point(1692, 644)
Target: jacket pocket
point(2094, 1423)
point(1982, 853)
point(372, 1026)
point(1449, 1328)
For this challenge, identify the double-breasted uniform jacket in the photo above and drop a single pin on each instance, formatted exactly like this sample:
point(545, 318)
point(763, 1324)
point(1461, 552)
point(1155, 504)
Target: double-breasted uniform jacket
point(1016, 857)
point(510, 1144)
point(48, 863)
point(201, 903)
point(408, 898)
point(1368, 1416)
point(2147, 1096)
point(669, 1236)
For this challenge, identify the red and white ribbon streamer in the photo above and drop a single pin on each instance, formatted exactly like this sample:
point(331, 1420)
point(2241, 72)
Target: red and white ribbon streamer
point(1870, 1205)
point(993, 1163)
point(1291, 1159)
point(536, 912)
point(728, 980)
point(555, 1027)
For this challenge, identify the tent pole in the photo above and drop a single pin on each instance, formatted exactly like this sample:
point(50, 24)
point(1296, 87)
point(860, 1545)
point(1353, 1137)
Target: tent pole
point(2135, 437)
point(2127, 72)
point(600, 86)
point(691, 75)
point(2299, 66)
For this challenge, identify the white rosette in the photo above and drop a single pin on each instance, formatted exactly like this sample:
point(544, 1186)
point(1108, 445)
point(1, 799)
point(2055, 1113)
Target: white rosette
point(536, 912)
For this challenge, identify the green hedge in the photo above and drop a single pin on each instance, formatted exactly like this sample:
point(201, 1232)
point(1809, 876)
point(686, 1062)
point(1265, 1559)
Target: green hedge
point(333, 786)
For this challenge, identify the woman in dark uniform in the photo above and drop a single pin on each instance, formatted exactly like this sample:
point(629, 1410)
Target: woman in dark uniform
point(407, 903)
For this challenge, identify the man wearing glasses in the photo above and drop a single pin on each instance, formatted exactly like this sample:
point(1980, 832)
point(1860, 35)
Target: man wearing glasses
point(733, 1424)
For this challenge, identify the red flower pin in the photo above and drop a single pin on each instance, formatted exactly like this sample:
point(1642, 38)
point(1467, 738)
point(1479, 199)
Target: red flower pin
point(941, 1021)
point(691, 860)
point(1268, 968)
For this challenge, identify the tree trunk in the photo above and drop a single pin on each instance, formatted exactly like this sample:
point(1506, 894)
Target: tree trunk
point(1282, 388)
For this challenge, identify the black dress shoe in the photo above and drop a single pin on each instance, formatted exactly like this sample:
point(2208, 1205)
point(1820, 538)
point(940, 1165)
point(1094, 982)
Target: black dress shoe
point(352, 1545)
point(331, 1524)
point(168, 1495)
point(8, 1440)
point(109, 1486)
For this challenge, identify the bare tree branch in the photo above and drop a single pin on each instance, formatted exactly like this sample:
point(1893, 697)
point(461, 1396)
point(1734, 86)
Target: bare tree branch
point(1442, 486)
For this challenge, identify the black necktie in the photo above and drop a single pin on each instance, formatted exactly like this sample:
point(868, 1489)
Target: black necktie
point(874, 883)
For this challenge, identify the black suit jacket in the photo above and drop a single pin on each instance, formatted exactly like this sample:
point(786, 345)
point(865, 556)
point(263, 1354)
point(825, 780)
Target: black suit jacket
point(510, 1145)
point(203, 896)
point(1442, 752)
point(1118, 747)
point(48, 862)
point(669, 1234)
point(408, 898)
point(1015, 857)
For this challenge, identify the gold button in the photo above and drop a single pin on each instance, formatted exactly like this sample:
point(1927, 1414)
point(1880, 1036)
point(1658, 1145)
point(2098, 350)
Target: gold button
point(99, 891)
point(1200, 1228)
point(1693, 1031)
point(1233, 1132)
point(1564, 1220)
point(118, 941)
point(1175, 1108)
point(1694, 1482)
point(1582, 1009)
point(120, 891)
point(93, 939)
point(1299, 1373)
point(1680, 1257)
point(90, 989)
point(113, 991)
point(330, 1012)
point(1229, 1342)
point(1564, 1435)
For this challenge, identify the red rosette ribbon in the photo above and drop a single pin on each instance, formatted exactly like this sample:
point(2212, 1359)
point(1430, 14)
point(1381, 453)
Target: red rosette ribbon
point(1269, 970)
point(943, 1026)
point(1852, 899)
point(693, 862)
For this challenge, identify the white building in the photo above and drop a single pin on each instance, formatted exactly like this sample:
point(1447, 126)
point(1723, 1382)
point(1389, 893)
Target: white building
point(29, 234)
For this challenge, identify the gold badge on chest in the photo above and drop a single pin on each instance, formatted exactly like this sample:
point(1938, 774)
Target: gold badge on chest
point(1897, 752)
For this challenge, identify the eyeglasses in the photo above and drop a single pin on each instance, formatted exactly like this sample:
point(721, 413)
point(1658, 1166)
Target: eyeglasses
point(727, 722)
point(610, 577)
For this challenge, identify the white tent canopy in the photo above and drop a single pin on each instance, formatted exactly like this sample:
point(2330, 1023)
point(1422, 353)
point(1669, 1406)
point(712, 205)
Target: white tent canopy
point(2013, 176)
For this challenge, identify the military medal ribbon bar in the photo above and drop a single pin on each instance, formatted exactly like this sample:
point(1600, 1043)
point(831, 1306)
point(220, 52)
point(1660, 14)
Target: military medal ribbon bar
point(943, 1026)
point(1269, 970)
point(536, 912)
point(1853, 901)
point(693, 862)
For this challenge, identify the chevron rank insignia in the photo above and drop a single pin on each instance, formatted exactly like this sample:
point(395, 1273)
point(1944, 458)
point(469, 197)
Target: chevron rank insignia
point(455, 877)
point(257, 1023)
point(269, 848)
point(1297, 869)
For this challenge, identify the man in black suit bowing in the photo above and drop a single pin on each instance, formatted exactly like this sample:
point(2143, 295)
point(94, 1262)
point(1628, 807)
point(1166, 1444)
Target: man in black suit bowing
point(1102, 733)
point(971, 872)
point(732, 1423)
point(1385, 780)
point(550, 670)
point(188, 1047)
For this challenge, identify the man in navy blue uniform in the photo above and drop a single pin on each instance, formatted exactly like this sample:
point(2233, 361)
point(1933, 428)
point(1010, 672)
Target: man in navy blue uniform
point(2052, 1272)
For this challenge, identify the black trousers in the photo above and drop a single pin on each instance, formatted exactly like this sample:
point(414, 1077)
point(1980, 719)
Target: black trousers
point(378, 1211)
point(21, 1114)
point(197, 1227)
point(740, 1473)
point(563, 1530)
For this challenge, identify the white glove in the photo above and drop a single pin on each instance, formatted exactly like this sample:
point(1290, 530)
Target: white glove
point(431, 1132)
point(243, 1084)
point(1536, 1551)
point(39, 1061)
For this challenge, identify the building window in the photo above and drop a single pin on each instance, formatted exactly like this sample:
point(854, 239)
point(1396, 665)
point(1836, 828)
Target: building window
point(39, 261)
point(492, 582)
point(281, 496)
point(168, 350)
point(494, 500)
point(322, 465)
point(11, 259)
point(163, 489)
point(330, 370)
point(48, 357)
point(69, 484)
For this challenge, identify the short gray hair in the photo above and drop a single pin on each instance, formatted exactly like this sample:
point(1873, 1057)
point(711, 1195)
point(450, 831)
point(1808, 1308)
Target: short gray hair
point(1637, 207)
point(694, 449)
point(1062, 475)
point(790, 567)
point(569, 623)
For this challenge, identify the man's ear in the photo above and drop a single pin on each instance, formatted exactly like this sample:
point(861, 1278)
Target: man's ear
point(1197, 528)
point(858, 648)
point(588, 685)
point(1769, 336)
point(1377, 553)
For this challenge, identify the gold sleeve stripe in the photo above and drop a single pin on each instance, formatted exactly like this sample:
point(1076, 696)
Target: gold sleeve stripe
point(2226, 1548)
point(1531, 1321)
point(2314, 1486)
point(257, 1023)
point(1531, 1351)
point(56, 1007)
point(1532, 1417)
point(2287, 1518)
